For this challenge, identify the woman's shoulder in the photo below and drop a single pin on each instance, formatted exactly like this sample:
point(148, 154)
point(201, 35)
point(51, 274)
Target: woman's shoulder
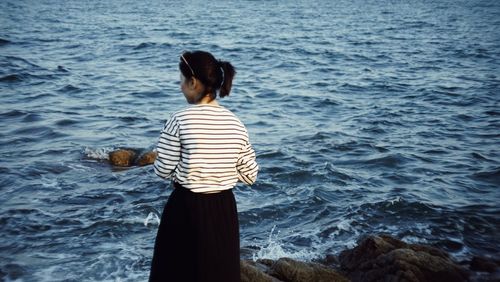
point(212, 111)
point(189, 110)
point(204, 109)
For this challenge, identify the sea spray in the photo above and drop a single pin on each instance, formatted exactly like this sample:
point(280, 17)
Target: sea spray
point(152, 218)
point(274, 249)
point(97, 153)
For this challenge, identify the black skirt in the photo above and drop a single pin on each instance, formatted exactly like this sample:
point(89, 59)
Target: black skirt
point(198, 238)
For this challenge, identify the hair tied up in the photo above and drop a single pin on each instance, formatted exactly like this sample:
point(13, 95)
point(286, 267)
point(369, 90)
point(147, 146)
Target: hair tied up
point(216, 75)
point(219, 64)
point(228, 73)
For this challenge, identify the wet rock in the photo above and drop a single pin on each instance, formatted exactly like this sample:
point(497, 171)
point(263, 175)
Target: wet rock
point(131, 157)
point(251, 273)
point(146, 158)
point(122, 157)
point(330, 260)
point(288, 269)
point(384, 258)
point(484, 264)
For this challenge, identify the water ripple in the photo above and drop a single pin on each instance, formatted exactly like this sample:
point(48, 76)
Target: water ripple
point(365, 117)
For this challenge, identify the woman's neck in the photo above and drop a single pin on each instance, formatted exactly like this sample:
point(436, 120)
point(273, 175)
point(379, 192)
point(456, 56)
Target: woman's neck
point(207, 100)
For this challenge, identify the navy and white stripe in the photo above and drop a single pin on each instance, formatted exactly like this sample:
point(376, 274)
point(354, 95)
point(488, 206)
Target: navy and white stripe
point(206, 149)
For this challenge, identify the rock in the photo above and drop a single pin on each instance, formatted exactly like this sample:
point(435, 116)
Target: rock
point(484, 264)
point(146, 158)
point(288, 269)
point(328, 260)
point(122, 157)
point(131, 157)
point(250, 273)
point(378, 258)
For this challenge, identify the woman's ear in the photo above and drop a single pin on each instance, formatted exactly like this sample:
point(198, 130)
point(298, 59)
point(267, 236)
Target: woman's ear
point(196, 85)
point(193, 83)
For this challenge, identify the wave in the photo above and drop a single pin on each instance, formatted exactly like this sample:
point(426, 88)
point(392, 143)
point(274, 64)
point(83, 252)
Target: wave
point(493, 113)
point(11, 78)
point(62, 69)
point(338, 173)
point(22, 63)
point(274, 248)
point(40, 132)
point(66, 122)
point(396, 139)
point(69, 89)
point(39, 96)
point(152, 218)
point(97, 153)
point(26, 76)
point(32, 117)
point(390, 161)
point(492, 176)
point(401, 205)
point(481, 157)
point(13, 114)
point(4, 42)
point(146, 45)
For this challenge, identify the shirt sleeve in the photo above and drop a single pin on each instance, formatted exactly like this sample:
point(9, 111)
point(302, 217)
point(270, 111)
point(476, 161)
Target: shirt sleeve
point(168, 149)
point(247, 165)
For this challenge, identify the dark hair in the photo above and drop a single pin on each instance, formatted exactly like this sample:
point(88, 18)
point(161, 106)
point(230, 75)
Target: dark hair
point(214, 74)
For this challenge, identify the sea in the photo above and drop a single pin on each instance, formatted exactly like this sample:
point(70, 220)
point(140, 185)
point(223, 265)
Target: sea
point(368, 117)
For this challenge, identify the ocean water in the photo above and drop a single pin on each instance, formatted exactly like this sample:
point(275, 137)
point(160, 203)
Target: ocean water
point(367, 117)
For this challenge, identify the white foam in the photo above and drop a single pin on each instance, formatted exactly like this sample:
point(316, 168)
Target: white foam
point(78, 166)
point(98, 154)
point(414, 239)
point(274, 250)
point(49, 182)
point(337, 239)
point(396, 200)
point(345, 224)
point(123, 264)
point(152, 217)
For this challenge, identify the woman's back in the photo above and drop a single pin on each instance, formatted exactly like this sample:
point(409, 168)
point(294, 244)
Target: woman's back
point(205, 149)
point(212, 140)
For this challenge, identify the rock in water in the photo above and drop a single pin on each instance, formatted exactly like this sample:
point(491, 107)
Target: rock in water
point(291, 270)
point(122, 157)
point(250, 273)
point(131, 157)
point(147, 158)
point(384, 258)
point(484, 264)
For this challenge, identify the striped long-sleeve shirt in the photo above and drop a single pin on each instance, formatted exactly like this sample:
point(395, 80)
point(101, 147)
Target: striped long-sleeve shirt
point(205, 148)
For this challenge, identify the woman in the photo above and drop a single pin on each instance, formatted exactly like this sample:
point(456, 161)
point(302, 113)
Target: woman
point(205, 149)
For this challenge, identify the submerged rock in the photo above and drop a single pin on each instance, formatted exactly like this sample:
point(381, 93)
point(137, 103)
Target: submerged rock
point(384, 258)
